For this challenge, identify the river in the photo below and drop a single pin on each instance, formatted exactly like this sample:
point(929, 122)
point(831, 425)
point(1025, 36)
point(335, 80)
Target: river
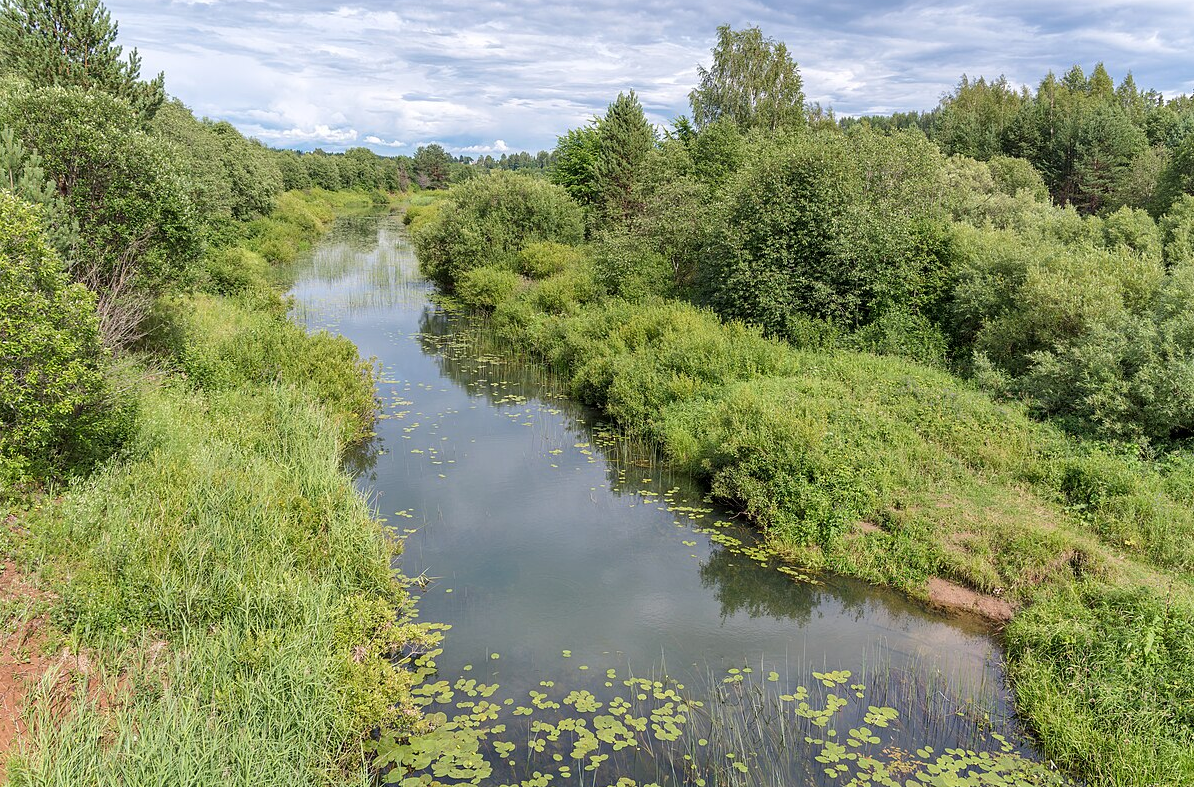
point(576, 570)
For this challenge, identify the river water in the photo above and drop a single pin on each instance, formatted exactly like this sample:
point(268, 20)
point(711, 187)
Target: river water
point(575, 570)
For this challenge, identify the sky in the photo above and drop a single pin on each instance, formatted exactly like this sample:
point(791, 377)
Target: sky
point(495, 76)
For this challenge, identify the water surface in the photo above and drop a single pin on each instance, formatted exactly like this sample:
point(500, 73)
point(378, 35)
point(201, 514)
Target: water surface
point(563, 554)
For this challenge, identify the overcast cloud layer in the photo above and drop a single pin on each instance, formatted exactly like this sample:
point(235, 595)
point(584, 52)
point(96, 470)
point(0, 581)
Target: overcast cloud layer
point(488, 76)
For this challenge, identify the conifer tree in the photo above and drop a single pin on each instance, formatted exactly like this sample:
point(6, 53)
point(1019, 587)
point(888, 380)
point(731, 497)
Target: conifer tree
point(72, 43)
point(624, 138)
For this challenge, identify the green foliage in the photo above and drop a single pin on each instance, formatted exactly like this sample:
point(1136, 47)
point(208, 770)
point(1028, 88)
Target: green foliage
point(544, 259)
point(1090, 335)
point(297, 221)
point(624, 139)
point(1177, 230)
point(626, 266)
point(752, 81)
point(486, 287)
point(898, 332)
point(73, 43)
point(250, 170)
point(1133, 229)
point(575, 166)
point(21, 173)
point(971, 120)
point(294, 171)
point(489, 220)
point(1015, 174)
point(138, 230)
point(433, 166)
point(833, 227)
point(58, 411)
point(198, 152)
point(1177, 179)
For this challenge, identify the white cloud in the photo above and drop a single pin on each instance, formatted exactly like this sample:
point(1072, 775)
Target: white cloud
point(524, 71)
point(376, 140)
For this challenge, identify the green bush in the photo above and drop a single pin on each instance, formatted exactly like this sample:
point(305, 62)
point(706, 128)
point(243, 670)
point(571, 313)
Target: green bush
point(235, 270)
point(489, 220)
point(487, 287)
point(1177, 227)
point(56, 408)
point(544, 259)
point(911, 336)
point(626, 266)
point(568, 290)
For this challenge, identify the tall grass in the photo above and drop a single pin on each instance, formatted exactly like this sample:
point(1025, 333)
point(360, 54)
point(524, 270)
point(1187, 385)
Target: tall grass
point(226, 585)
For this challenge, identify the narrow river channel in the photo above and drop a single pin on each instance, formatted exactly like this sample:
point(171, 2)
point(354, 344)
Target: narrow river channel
point(580, 577)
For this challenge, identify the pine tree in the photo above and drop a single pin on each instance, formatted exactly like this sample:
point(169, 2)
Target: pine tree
point(72, 43)
point(624, 138)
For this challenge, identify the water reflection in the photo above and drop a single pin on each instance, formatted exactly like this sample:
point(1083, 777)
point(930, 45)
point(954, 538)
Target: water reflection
point(556, 545)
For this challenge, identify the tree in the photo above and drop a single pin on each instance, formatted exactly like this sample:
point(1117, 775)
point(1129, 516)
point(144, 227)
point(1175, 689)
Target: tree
point(489, 220)
point(753, 81)
point(21, 173)
point(252, 173)
point(575, 166)
point(138, 230)
point(73, 43)
point(624, 138)
point(294, 173)
point(1106, 147)
point(433, 167)
point(56, 408)
point(323, 170)
point(972, 119)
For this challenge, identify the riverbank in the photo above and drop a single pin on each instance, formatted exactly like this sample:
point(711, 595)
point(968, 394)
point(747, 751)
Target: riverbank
point(890, 471)
point(215, 604)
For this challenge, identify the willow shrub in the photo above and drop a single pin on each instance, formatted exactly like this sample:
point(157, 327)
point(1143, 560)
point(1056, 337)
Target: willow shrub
point(56, 408)
point(489, 220)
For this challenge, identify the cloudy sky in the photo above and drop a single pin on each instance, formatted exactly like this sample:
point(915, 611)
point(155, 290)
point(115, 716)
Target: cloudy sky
point(487, 76)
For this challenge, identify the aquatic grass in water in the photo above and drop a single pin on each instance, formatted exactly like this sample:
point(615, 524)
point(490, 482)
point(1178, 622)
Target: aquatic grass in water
point(744, 727)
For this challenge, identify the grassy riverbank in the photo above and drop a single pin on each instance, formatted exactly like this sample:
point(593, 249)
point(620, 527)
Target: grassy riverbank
point(215, 604)
point(888, 470)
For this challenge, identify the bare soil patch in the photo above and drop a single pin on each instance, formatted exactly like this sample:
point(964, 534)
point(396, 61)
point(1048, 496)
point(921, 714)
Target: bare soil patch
point(953, 597)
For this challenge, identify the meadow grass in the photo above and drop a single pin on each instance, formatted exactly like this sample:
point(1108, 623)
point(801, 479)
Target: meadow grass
point(226, 590)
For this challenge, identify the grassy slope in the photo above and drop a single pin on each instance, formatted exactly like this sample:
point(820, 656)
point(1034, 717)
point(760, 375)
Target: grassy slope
point(818, 448)
point(229, 589)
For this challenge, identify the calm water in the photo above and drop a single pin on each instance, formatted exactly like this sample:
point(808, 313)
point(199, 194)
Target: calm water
point(562, 554)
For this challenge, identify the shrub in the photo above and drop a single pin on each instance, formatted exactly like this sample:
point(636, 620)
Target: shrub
point(626, 266)
point(56, 409)
point(485, 288)
point(544, 259)
point(489, 219)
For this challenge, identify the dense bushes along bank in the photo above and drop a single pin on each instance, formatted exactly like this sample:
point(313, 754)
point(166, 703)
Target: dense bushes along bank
point(870, 465)
point(222, 581)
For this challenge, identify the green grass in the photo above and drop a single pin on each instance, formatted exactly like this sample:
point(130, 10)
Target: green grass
point(895, 472)
point(225, 581)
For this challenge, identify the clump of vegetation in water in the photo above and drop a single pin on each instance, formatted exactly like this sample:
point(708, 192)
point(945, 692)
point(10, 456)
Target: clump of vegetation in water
point(745, 727)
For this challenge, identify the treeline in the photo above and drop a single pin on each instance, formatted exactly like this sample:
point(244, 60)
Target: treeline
point(1059, 275)
point(1099, 146)
point(845, 331)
